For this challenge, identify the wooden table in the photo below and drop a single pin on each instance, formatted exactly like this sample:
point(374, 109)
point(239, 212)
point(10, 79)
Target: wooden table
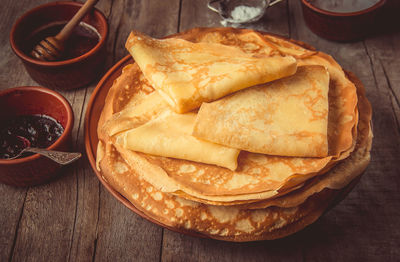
point(75, 219)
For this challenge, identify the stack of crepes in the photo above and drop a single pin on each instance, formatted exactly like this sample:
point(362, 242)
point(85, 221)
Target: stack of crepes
point(233, 134)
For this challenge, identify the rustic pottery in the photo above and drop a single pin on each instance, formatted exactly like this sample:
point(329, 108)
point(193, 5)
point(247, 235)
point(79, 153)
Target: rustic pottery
point(67, 74)
point(32, 100)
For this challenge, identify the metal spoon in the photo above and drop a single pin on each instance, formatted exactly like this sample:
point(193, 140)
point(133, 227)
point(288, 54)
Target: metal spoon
point(225, 8)
point(63, 158)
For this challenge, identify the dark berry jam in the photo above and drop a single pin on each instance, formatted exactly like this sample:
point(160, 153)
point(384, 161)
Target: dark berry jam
point(40, 130)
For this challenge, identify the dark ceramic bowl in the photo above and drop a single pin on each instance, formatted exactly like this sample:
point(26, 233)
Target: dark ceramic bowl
point(30, 100)
point(343, 27)
point(67, 74)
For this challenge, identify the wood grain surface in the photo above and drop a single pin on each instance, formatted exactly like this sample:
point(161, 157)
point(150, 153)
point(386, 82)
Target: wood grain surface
point(75, 219)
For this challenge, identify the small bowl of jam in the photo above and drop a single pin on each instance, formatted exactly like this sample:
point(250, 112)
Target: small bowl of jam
point(84, 57)
point(19, 132)
point(36, 116)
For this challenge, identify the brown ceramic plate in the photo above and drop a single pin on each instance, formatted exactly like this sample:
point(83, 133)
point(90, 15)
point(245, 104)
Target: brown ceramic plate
point(94, 109)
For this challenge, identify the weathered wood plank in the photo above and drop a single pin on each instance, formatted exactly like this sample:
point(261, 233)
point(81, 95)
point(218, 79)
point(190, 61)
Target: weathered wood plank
point(45, 231)
point(11, 205)
point(155, 18)
point(178, 247)
point(123, 235)
point(384, 52)
point(87, 189)
point(12, 74)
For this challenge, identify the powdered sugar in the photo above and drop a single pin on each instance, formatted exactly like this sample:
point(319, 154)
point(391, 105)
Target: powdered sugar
point(244, 13)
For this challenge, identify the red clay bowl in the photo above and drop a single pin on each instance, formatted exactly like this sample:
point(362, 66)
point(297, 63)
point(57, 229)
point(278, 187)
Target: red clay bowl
point(342, 27)
point(67, 74)
point(29, 100)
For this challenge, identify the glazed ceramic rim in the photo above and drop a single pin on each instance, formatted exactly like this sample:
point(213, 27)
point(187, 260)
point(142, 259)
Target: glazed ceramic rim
point(339, 14)
point(91, 52)
point(67, 129)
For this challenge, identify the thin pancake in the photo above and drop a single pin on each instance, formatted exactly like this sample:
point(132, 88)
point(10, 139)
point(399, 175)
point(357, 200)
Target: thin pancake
point(340, 176)
point(288, 117)
point(342, 103)
point(187, 74)
point(136, 115)
point(169, 135)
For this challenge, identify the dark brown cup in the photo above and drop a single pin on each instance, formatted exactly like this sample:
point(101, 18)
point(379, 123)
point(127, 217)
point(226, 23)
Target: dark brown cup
point(342, 27)
point(31, 100)
point(67, 74)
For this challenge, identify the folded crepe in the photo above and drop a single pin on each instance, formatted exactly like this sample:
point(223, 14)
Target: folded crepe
point(288, 117)
point(187, 74)
point(169, 135)
point(137, 115)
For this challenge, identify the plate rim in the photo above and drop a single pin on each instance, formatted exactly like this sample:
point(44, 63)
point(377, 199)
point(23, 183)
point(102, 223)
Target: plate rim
point(91, 152)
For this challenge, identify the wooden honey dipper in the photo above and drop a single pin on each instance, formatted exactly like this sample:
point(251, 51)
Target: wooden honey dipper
point(52, 48)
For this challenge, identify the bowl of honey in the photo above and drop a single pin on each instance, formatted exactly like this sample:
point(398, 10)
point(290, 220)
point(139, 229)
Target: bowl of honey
point(85, 50)
point(44, 118)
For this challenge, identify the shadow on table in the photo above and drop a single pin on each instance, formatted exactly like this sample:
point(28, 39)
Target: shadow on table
point(324, 233)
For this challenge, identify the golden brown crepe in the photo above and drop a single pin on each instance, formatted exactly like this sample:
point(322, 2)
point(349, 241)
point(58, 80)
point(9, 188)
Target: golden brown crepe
point(288, 117)
point(134, 116)
point(266, 197)
point(340, 176)
point(170, 135)
point(342, 103)
point(187, 74)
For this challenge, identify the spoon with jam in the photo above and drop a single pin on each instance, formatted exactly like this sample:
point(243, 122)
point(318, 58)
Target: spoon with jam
point(63, 158)
point(31, 134)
